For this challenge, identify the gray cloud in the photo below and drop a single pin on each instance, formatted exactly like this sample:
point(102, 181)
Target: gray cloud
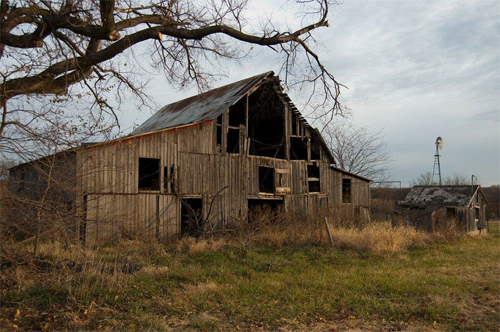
point(493, 116)
point(422, 69)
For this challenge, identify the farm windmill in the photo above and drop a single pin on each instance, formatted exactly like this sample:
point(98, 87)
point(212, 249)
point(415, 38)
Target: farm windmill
point(437, 165)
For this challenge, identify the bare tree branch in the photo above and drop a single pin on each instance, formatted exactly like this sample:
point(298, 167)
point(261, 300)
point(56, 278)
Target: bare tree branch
point(56, 53)
point(358, 150)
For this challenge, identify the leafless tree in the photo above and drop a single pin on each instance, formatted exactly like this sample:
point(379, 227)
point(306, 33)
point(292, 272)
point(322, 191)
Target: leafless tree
point(358, 150)
point(423, 179)
point(69, 51)
point(456, 179)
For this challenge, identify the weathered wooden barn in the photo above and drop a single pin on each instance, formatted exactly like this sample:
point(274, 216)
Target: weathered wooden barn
point(437, 208)
point(211, 159)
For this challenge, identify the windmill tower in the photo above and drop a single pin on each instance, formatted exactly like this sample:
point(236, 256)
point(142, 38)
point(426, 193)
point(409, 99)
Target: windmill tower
point(437, 165)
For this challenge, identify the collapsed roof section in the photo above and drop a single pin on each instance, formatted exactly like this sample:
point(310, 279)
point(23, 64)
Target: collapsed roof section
point(431, 196)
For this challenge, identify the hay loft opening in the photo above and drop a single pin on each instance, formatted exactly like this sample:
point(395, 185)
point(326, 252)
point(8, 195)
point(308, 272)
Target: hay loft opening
point(266, 123)
point(315, 149)
point(298, 148)
point(233, 140)
point(237, 114)
point(149, 174)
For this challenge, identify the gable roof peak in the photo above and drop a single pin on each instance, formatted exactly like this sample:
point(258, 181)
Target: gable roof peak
point(204, 106)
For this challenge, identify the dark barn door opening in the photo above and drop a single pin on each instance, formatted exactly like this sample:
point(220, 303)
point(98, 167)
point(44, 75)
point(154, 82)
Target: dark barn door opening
point(191, 216)
point(264, 210)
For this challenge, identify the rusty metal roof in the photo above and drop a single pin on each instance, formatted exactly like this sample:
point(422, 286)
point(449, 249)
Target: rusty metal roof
point(205, 106)
point(431, 196)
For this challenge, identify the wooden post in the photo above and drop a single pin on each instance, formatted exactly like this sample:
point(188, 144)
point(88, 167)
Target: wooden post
point(328, 231)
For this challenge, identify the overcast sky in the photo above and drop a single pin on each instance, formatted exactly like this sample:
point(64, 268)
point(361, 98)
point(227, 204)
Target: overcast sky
point(416, 70)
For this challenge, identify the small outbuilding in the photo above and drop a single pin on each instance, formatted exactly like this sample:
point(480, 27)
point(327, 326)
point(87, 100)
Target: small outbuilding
point(439, 208)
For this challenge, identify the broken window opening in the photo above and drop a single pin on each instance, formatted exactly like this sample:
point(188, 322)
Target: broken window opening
point(191, 216)
point(314, 186)
point(266, 123)
point(149, 174)
point(346, 190)
point(264, 210)
point(298, 148)
point(313, 171)
point(313, 180)
point(233, 141)
point(266, 179)
point(451, 213)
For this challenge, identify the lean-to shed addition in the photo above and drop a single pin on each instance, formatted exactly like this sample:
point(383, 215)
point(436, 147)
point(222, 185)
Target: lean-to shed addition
point(211, 160)
point(435, 208)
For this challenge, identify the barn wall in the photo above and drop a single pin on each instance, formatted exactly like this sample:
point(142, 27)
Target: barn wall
point(113, 167)
point(192, 165)
point(42, 193)
point(137, 216)
point(57, 172)
point(108, 177)
point(225, 182)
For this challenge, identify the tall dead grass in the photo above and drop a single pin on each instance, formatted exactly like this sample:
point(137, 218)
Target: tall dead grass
point(379, 238)
point(195, 246)
point(298, 230)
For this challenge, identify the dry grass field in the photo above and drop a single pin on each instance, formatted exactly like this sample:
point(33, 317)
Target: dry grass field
point(279, 277)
